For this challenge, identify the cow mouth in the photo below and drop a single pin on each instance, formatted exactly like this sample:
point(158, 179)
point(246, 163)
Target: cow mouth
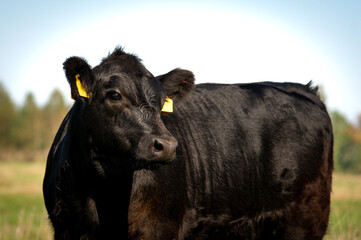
point(142, 163)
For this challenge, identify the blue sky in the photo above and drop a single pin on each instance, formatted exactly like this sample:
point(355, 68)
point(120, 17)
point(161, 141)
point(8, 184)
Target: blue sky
point(220, 41)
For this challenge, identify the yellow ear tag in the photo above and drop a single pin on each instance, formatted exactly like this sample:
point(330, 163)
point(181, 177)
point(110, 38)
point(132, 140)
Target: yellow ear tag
point(168, 106)
point(80, 86)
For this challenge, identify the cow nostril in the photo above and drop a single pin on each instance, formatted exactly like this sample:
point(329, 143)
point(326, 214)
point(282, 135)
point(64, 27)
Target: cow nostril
point(158, 146)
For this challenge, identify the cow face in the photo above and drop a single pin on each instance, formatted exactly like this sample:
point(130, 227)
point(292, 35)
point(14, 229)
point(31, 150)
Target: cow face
point(122, 106)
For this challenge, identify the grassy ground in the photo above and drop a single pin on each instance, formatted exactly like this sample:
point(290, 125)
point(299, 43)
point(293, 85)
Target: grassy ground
point(23, 216)
point(345, 221)
point(22, 212)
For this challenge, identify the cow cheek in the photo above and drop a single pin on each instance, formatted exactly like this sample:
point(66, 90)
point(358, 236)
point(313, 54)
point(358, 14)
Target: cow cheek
point(99, 128)
point(123, 143)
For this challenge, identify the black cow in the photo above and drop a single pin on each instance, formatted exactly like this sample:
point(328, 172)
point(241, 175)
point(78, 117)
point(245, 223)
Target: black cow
point(242, 161)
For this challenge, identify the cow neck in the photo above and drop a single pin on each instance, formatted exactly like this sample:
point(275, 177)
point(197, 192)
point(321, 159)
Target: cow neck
point(78, 155)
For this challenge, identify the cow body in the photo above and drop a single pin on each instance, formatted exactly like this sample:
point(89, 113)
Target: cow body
point(253, 161)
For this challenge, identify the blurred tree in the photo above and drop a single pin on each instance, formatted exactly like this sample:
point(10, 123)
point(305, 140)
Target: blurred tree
point(28, 125)
point(56, 103)
point(53, 113)
point(347, 149)
point(356, 131)
point(7, 117)
point(28, 131)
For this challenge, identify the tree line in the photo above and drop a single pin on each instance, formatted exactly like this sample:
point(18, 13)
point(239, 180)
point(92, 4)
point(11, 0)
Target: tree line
point(29, 129)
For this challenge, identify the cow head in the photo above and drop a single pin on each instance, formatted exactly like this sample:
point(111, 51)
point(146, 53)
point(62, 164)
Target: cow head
point(122, 106)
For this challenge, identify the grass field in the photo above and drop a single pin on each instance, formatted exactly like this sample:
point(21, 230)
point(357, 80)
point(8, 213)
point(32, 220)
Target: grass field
point(22, 211)
point(23, 216)
point(345, 221)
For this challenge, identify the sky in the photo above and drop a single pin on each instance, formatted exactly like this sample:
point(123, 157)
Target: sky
point(219, 41)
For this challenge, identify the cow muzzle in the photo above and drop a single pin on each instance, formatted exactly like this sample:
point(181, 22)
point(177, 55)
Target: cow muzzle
point(157, 148)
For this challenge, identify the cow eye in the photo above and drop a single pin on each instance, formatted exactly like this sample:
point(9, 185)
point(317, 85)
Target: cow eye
point(114, 96)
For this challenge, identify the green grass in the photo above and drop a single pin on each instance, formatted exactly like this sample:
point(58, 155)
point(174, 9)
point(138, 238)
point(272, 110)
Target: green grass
point(22, 212)
point(23, 215)
point(345, 219)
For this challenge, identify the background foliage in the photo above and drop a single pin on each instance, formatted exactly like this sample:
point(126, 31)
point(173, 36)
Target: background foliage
point(27, 131)
point(347, 147)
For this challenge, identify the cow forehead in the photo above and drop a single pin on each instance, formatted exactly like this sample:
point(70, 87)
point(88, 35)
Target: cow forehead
point(126, 72)
point(122, 82)
point(136, 83)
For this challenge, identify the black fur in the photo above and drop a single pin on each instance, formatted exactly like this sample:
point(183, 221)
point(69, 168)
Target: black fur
point(254, 161)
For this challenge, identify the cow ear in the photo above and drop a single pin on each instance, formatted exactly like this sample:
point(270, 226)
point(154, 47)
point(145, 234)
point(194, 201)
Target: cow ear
point(178, 83)
point(80, 77)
